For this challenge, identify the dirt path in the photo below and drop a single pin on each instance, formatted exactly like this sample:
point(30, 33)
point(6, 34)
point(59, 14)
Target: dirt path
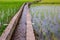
point(20, 31)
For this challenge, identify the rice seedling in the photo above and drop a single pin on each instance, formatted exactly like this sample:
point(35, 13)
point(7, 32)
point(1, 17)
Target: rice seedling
point(7, 11)
point(46, 20)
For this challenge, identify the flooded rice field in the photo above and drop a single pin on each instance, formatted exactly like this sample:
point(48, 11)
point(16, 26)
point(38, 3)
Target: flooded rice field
point(46, 21)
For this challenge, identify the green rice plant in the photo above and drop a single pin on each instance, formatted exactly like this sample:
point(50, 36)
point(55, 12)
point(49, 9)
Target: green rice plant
point(46, 17)
point(53, 37)
point(7, 11)
point(58, 30)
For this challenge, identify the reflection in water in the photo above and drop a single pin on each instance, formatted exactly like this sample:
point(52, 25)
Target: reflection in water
point(46, 22)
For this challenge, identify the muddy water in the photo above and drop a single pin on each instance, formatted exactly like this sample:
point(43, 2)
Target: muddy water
point(46, 21)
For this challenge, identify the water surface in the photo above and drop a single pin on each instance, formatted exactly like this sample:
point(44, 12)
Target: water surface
point(46, 21)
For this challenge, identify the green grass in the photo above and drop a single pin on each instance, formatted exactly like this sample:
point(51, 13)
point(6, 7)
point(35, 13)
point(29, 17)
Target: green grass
point(30, 0)
point(15, 0)
point(47, 4)
point(50, 1)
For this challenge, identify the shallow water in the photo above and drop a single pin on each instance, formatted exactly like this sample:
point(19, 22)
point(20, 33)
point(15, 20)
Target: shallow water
point(46, 19)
